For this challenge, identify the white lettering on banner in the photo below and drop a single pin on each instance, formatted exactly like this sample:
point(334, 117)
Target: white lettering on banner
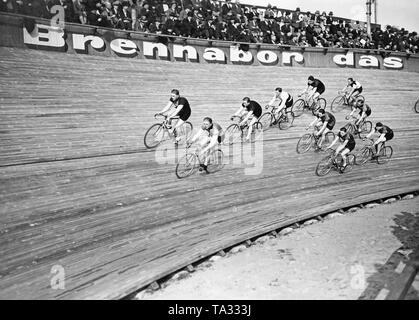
point(179, 50)
point(149, 48)
point(123, 47)
point(369, 62)
point(79, 42)
point(393, 63)
point(287, 58)
point(267, 57)
point(44, 35)
point(214, 54)
point(237, 55)
point(58, 19)
point(345, 60)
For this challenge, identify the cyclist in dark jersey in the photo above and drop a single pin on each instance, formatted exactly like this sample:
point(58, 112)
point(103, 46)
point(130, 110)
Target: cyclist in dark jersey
point(210, 134)
point(385, 132)
point(355, 89)
point(315, 88)
point(326, 121)
point(364, 112)
point(253, 110)
point(182, 109)
point(348, 143)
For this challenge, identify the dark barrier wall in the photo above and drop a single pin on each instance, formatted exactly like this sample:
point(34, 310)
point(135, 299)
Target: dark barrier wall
point(17, 31)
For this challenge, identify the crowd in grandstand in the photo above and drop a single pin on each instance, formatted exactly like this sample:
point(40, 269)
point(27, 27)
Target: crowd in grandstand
point(219, 20)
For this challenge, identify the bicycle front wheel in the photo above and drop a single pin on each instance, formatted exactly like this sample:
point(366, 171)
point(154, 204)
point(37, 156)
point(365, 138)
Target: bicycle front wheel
point(215, 161)
point(232, 134)
point(184, 132)
point(384, 155)
point(154, 136)
point(266, 120)
point(286, 121)
point(363, 156)
point(305, 142)
point(186, 165)
point(320, 104)
point(298, 107)
point(337, 104)
point(350, 128)
point(324, 166)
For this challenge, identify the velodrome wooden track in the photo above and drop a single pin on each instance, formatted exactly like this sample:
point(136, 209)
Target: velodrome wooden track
point(78, 188)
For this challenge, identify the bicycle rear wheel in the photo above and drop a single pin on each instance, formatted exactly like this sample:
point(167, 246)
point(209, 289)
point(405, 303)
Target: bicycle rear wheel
point(215, 161)
point(365, 128)
point(363, 156)
point(385, 155)
point(154, 136)
point(232, 134)
point(286, 121)
point(186, 165)
point(266, 120)
point(298, 107)
point(324, 166)
point(321, 104)
point(337, 104)
point(305, 142)
point(328, 139)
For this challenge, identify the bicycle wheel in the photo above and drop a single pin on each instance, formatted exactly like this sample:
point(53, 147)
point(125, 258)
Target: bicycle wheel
point(232, 134)
point(363, 156)
point(154, 136)
point(215, 161)
point(305, 142)
point(417, 106)
point(328, 139)
point(324, 166)
point(321, 104)
point(337, 104)
point(365, 128)
point(350, 128)
point(266, 120)
point(384, 155)
point(184, 132)
point(286, 121)
point(298, 107)
point(186, 165)
point(350, 162)
point(257, 128)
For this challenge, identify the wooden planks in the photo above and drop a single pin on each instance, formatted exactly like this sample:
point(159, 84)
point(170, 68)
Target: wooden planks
point(78, 188)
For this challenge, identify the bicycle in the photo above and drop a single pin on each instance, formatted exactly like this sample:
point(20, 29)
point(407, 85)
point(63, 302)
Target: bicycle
point(284, 120)
point(308, 140)
point(366, 153)
point(343, 100)
point(188, 164)
point(310, 104)
point(159, 132)
point(235, 132)
point(361, 130)
point(333, 161)
point(417, 106)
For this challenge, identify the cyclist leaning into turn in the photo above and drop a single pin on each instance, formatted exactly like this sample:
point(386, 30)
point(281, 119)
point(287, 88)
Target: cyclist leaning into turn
point(348, 143)
point(210, 134)
point(281, 98)
point(364, 112)
point(251, 110)
point(315, 88)
point(326, 121)
point(354, 89)
point(386, 134)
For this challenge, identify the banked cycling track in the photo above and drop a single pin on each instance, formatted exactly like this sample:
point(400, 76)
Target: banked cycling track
point(80, 194)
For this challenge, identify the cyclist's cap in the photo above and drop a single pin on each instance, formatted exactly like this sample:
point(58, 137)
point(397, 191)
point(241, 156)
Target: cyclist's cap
point(278, 89)
point(378, 124)
point(176, 91)
point(311, 78)
point(321, 111)
point(342, 129)
point(351, 79)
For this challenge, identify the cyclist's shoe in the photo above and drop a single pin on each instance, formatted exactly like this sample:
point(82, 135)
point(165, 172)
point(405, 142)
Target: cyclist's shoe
point(203, 167)
point(177, 139)
point(342, 168)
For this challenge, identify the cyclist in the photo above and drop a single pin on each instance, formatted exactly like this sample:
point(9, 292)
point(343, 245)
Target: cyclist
point(282, 98)
point(181, 109)
point(364, 112)
point(210, 134)
point(354, 89)
point(348, 143)
point(315, 88)
point(326, 121)
point(386, 134)
point(252, 111)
